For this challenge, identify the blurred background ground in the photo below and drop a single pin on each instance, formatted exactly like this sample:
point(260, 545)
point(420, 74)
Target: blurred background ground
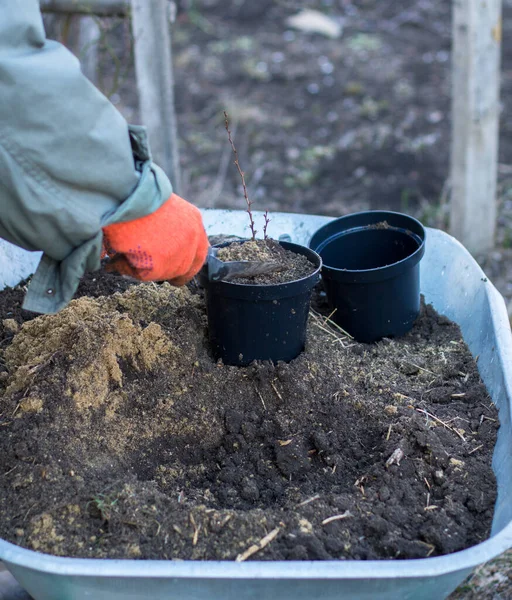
point(323, 125)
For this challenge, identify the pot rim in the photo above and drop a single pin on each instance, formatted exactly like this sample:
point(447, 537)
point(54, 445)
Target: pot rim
point(368, 218)
point(310, 254)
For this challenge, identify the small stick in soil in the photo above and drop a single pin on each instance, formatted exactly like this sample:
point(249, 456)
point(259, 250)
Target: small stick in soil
point(196, 536)
point(418, 367)
point(197, 529)
point(158, 527)
point(225, 521)
point(242, 176)
point(457, 418)
point(276, 391)
point(389, 432)
point(345, 515)
point(359, 483)
point(320, 322)
point(265, 541)
point(28, 511)
point(16, 466)
point(484, 418)
point(442, 423)
point(136, 525)
point(309, 500)
point(336, 338)
point(261, 397)
point(332, 323)
point(475, 449)
point(430, 547)
point(328, 318)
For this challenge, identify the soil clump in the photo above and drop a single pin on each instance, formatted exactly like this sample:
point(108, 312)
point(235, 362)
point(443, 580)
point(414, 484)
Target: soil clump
point(292, 266)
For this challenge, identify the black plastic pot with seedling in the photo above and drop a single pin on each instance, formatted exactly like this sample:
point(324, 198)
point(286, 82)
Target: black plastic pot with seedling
point(371, 272)
point(248, 320)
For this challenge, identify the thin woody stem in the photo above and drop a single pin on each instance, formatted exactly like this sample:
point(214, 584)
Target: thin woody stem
point(248, 202)
point(265, 226)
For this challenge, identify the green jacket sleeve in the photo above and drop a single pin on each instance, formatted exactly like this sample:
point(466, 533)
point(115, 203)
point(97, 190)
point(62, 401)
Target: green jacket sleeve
point(69, 162)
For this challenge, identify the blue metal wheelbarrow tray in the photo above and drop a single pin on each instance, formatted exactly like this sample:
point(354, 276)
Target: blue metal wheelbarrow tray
point(455, 285)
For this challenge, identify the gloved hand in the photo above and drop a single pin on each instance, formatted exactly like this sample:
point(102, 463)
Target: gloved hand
point(169, 244)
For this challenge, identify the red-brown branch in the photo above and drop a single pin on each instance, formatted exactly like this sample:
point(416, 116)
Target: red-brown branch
point(248, 202)
point(265, 226)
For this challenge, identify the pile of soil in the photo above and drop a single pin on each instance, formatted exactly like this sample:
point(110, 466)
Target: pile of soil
point(289, 266)
point(121, 437)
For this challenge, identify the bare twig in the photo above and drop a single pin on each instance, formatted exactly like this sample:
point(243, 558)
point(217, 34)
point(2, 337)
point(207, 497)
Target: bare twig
point(327, 321)
point(242, 176)
point(345, 515)
point(331, 333)
point(442, 423)
point(328, 317)
point(475, 449)
point(265, 541)
point(319, 322)
point(10, 470)
point(418, 367)
point(312, 499)
point(197, 529)
point(278, 394)
point(28, 511)
point(265, 226)
point(261, 397)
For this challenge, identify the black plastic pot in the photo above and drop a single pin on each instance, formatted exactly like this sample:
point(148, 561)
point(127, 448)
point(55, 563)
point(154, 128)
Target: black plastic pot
point(371, 272)
point(259, 322)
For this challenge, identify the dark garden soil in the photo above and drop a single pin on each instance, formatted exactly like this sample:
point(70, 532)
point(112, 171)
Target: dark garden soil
point(120, 437)
point(289, 266)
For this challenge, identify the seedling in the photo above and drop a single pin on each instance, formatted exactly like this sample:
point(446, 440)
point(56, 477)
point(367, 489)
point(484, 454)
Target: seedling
point(102, 505)
point(244, 186)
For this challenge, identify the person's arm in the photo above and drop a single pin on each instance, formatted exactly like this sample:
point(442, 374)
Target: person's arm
point(69, 163)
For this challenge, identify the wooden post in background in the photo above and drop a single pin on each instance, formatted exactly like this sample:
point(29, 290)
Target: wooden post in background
point(475, 119)
point(87, 46)
point(151, 24)
point(155, 82)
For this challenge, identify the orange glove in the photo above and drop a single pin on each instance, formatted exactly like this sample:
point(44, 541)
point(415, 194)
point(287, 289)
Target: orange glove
point(169, 244)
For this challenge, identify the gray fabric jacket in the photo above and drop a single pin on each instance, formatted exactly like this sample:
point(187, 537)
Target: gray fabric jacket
point(69, 162)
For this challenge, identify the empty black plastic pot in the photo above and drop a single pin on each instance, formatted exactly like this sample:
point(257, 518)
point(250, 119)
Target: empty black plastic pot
point(259, 322)
point(371, 272)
